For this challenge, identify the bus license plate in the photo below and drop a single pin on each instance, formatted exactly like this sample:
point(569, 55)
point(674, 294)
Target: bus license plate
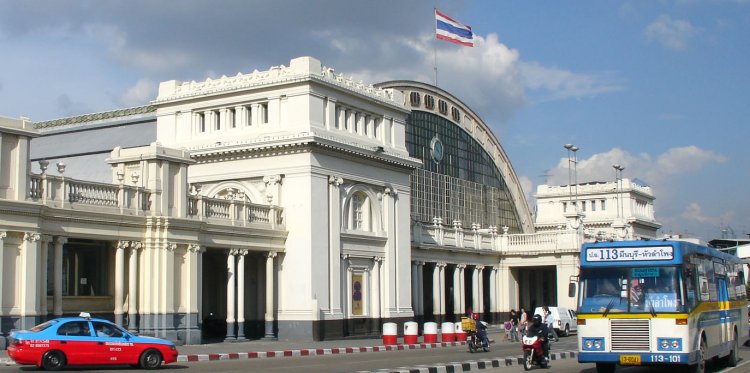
point(630, 359)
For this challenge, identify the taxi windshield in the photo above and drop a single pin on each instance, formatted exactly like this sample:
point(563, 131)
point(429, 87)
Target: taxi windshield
point(43, 326)
point(631, 289)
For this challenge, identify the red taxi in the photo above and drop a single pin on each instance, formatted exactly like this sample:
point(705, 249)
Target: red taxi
point(86, 341)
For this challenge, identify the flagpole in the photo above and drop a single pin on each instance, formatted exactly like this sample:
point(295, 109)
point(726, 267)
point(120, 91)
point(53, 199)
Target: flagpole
point(434, 47)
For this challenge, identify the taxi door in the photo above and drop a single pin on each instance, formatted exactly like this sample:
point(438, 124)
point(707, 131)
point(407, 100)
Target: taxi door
point(75, 340)
point(111, 345)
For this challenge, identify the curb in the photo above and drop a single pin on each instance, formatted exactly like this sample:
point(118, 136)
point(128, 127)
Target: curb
point(312, 352)
point(471, 366)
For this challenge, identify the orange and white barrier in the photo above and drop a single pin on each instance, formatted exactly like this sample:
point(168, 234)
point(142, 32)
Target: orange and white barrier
point(459, 333)
point(390, 333)
point(430, 332)
point(411, 331)
point(447, 331)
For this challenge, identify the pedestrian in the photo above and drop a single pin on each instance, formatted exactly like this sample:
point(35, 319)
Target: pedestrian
point(550, 320)
point(513, 326)
point(523, 322)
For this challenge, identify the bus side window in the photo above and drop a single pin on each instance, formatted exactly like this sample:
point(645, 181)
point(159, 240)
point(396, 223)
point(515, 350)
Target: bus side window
point(689, 279)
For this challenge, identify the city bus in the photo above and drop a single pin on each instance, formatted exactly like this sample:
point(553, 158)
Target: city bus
point(659, 302)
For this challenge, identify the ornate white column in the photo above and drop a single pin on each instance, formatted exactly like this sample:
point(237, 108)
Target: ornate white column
point(493, 291)
point(29, 281)
point(462, 286)
point(415, 287)
point(480, 289)
point(458, 291)
point(441, 276)
point(241, 293)
point(436, 291)
point(269, 295)
point(135, 246)
point(334, 239)
point(57, 308)
point(376, 287)
point(120, 280)
point(231, 268)
point(43, 255)
point(475, 289)
point(3, 234)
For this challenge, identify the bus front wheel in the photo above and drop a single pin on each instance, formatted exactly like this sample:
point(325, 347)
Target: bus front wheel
point(605, 367)
point(700, 367)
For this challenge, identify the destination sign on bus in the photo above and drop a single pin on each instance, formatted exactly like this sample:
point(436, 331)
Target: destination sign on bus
point(626, 254)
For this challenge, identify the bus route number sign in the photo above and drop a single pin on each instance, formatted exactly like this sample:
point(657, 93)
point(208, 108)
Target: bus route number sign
point(629, 254)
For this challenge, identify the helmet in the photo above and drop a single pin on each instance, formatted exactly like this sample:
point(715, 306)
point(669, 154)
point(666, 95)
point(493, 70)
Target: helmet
point(475, 316)
point(537, 319)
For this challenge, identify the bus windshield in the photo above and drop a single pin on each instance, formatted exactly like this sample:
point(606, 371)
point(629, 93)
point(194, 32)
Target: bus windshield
point(631, 289)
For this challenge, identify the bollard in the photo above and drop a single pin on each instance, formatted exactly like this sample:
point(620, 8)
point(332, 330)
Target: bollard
point(390, 333)
point(447, 331)
point(430, 332)
point(459, 334)
point(411, 330)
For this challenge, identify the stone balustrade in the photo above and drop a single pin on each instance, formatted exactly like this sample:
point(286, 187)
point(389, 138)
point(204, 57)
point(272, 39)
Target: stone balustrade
point(64, 192)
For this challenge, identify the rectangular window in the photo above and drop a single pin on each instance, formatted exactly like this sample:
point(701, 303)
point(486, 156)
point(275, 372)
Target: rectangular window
point(248, 116)
point(217, 120)
point(593, 205)
point(583, 205)
point(231, 118)
point(200, 124)
point(565, 207)
point(604, 206)
point(263, 113)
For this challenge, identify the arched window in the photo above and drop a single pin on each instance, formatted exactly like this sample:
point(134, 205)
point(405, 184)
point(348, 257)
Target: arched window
point(443, 107)
point(414, 98)
point(429, 102)
point(359, 212)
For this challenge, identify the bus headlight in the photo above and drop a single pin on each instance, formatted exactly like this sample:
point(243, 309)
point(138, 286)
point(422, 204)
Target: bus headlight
point(593, 344)
point(669, 344)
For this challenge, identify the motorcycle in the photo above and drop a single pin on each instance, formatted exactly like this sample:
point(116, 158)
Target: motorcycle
point(533, 353)
point(475, 343)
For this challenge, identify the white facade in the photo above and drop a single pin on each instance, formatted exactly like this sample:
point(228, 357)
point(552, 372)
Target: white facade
point(618, 210)
point(274, 204)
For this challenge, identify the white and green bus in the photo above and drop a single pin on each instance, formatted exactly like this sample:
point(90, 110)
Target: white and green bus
point(659, 303)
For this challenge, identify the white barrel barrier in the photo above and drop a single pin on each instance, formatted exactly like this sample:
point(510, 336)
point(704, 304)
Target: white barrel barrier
point(459, 333)
point(411, 331)
point(447, 332)
point(390, 333)
point(430, 332)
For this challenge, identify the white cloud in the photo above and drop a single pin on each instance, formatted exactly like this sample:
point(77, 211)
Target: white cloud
point(557, 84)
point(655, 171)
point(140, 94)
point(669, 32)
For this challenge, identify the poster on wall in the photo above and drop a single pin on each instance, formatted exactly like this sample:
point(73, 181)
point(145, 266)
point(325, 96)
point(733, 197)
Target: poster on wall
point(357, 295)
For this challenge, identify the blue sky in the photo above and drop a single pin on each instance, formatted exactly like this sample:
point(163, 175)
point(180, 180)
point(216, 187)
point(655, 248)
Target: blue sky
point(658, 86)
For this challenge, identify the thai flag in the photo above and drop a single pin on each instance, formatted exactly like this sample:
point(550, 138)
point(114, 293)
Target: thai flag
point(452, 31)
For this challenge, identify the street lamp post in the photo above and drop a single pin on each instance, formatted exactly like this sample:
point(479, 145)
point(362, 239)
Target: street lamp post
point(574, 161)
point(618, 180)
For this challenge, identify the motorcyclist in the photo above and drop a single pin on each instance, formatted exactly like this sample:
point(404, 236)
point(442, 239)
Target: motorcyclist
point(481, 330)
point(539, 329)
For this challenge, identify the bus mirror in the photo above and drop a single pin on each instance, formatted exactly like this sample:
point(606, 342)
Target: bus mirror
point(572, 289)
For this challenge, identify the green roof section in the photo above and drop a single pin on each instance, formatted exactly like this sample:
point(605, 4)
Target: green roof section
point(96, 116)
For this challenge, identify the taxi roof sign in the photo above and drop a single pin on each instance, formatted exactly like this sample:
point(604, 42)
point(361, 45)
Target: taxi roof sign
point(85, 315)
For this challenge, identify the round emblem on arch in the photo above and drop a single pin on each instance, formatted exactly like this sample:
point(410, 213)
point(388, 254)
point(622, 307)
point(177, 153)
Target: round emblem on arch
point(437, 149)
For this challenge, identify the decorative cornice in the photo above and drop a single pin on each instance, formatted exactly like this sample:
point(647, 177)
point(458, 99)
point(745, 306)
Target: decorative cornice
point(274, 76)
point(31, 236)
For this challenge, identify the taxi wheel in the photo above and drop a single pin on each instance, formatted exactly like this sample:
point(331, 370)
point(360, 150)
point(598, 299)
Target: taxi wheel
point(53, 360)
point(150, 359)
